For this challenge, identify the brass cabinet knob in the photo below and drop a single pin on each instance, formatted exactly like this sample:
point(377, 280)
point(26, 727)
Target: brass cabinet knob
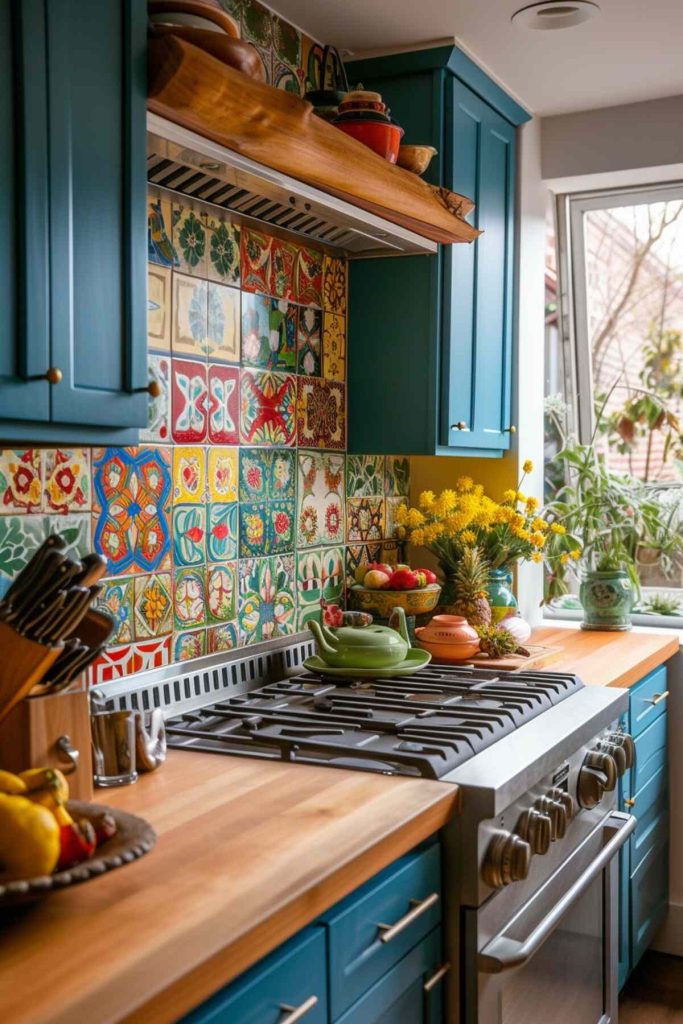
point(153, 389)
point(460, 425)
point(510, 430)
point(54, 375)
point(630, 803)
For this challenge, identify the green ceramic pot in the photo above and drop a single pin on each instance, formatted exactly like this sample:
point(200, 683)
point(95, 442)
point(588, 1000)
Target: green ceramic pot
point(499, 592)
point(607, 600)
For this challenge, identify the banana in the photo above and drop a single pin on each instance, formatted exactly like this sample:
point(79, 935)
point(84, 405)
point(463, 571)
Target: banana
point(11, 784)
point(45, 785)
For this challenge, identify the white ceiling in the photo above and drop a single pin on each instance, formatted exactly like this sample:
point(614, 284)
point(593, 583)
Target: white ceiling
point(631, 51)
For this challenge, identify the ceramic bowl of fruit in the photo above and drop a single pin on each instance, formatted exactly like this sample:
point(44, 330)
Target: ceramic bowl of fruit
point(380, 588)
point(48, 842)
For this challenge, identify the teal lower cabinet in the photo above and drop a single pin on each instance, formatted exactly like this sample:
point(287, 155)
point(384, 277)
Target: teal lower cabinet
point(644, 791)
point(374, 958)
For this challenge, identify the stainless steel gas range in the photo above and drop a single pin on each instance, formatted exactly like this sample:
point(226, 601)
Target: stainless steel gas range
point(530, 862)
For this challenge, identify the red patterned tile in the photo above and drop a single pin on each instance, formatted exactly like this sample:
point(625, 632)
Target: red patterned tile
point(189, 413)
point(255, 261)
point(321, 413)
point(309, 277)
point(224, 404)
point(267, 408)
point(20, 487)
point(283, 268)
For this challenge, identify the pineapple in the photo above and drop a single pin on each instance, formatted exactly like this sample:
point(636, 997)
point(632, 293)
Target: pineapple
point(470, 579)
point(497, 642)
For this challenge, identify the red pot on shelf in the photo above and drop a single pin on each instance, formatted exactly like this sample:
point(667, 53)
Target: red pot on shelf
point(381, 136)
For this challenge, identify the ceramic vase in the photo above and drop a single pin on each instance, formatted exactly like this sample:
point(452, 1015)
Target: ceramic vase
point(607, 600)
point(501, 598)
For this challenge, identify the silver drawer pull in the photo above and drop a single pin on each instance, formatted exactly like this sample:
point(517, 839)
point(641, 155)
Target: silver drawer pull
point(295, 1013)
point(436, 977)
point(657, 699)
point(69, 753)
point(390, 931)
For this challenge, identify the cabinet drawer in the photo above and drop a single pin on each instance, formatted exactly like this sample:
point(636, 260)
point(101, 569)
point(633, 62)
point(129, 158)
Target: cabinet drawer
point(399, 997)
point(289, 977)
point(644, 694)
point(360, 951)
point(650, 753)
point(652, 811)
point(649, 894)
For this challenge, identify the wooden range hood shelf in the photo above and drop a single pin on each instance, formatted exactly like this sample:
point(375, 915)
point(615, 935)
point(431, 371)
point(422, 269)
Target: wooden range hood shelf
point(272, 130)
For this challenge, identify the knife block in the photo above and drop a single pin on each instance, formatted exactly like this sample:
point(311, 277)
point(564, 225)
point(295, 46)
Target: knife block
point(30, 735)
point(23, 663)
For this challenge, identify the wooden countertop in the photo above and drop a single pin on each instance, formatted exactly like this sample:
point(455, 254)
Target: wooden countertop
point(248, 852)
point(607, 659)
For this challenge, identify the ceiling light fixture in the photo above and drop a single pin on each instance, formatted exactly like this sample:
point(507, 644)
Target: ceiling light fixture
point(555, 14)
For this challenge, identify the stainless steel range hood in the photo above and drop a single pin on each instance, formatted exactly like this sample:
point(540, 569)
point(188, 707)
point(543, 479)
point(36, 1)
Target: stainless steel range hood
point(189, 164)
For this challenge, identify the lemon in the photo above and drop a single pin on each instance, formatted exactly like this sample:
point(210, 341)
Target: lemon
point(29, 839)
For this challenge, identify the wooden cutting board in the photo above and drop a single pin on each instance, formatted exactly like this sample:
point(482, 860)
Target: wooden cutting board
point(540, 656)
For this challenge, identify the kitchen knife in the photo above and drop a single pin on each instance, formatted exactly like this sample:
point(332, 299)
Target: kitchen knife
point(36, 592)
point(74, 609)
point(94, 568)
point(59, 579)
point(82, 658)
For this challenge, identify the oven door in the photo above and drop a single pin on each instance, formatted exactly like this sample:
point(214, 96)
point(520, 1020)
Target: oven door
point(555, 958)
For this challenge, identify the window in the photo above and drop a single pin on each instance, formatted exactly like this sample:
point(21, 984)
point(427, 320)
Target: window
point(614, 348)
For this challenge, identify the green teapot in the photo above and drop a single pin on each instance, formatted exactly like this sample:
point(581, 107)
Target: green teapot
point(363, 646)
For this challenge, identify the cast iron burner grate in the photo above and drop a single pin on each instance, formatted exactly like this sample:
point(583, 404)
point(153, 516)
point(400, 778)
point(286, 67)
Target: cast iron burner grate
point(422, 725)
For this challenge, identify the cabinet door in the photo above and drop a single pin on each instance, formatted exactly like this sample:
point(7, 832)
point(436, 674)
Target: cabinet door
point(478, 282)
point(24, 339)
point(97, 91)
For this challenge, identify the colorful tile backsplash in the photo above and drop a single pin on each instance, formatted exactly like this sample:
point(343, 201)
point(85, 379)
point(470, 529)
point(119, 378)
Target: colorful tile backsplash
point(239, 514)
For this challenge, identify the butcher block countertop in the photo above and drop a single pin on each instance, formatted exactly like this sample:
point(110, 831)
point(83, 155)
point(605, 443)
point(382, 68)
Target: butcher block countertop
point(248, 852)
point(607, 659)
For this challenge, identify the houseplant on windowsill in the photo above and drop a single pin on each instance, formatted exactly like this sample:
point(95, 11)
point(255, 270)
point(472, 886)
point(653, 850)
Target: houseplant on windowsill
point(474, 537)
point(610, 516)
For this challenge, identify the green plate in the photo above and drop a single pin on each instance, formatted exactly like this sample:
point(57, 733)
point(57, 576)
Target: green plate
point(414, 660)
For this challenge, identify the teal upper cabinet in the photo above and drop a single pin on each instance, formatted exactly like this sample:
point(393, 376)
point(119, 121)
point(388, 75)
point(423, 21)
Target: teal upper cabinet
point(74, 229)
point(430, 337)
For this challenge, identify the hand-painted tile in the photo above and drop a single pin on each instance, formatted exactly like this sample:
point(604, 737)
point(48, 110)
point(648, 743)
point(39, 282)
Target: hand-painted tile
point(159, 231)
point(286, 42)
point(334, 347)
point(224, 404)
point(283, 260)
point(397, 476)
point(159, 317)
point(256, 23)
point(391, 505)
point(222, 638)
point(153, 605)
point(334, 285)
point(221, 592)
point(268, 408)
point(189, 399)
point(189, 240)
point(221, 542)
point(19, 538)
point(116, 600)
point(189, 597)
point(189, 644)
point(268, 333)
point(320, 577)
point(360, 555)
point(284, 77)
point(254, 472)
point(321, 413)
point(159, 408)
point(281, 473)
point(364, 475)
point(190, 317)
point(66, 476)
point(117, 662)
point(224, 251)
point(223, 323)
point(222, 474)
point(74, 528)
point(309, 279)
point(152, 653)
point(131, 508)
point(364, 519)
point(254, 532)
point(255, 261)
point(267, 603)
point(189, 534)
point(320, 505)
point(189, 475)
point(20, 481)
point(309, 333)
point(281, 519)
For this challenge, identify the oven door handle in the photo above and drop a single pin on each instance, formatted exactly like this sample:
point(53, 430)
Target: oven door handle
point(503, 953)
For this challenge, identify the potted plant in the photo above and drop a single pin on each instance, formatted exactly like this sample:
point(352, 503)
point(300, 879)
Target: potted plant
point(610, 516)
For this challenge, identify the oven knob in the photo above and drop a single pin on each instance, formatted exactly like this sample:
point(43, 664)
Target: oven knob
point(605, 763)
point(564, 798)
point(557, 814)
point(536, 828)
point(506, 860)
point(618, 755)
point(623, 740)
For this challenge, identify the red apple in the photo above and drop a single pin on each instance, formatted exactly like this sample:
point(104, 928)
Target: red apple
point(428, 574)
point(403, 579)
point(381, 567)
